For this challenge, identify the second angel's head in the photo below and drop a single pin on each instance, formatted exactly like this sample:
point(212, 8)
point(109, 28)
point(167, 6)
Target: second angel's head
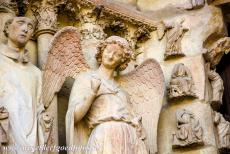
point(114, 53)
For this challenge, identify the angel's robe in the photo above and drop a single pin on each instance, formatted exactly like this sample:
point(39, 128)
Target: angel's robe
point(20, 94)
point(114, 128)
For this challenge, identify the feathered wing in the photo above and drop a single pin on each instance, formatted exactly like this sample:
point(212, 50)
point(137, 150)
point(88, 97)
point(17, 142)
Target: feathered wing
point(65, 59)
point(145, 86)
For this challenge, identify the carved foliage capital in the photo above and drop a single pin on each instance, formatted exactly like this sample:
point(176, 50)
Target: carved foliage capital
point(8, 6)
point(46, 15)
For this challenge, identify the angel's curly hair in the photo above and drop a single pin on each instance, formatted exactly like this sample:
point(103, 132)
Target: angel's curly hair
point(123, 43)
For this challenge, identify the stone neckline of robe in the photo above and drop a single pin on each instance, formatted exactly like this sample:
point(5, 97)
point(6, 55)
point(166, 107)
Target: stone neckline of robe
point(14, 54)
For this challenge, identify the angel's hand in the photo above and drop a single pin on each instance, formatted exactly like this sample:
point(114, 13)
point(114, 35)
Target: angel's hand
point(95, 85)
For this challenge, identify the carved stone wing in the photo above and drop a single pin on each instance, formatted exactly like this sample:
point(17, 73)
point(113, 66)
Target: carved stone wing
point(145, 86)
point(65, 59)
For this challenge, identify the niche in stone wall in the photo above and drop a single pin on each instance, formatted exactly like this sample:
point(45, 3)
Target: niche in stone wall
point(63, 99)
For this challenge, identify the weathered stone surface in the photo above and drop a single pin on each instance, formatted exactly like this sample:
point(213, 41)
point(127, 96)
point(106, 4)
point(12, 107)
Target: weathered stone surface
point(154, 5)
point(167, 125)
point(196, 66)
point(189, 131)
point(20, 85)
point(137, 21)
point(223, 129)
point(4, 17)
point(181, 83)
point(205, 27)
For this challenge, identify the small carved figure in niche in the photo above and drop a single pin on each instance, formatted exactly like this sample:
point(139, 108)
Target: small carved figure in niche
point(189, 130)
point(217, 50)
point(20, 84)
point(217, 89)
point(4, 127)
point(174, 37)
point(181, 83)
point(223, 131)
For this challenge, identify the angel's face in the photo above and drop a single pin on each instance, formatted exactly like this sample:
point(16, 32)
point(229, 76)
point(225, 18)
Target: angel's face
point(112, 56)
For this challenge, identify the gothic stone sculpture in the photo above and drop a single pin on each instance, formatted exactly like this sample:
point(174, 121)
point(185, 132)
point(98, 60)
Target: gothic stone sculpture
point(217, 50)
point(223, 131)
point(189, 130)
point(100, 114)
point(181, 83)
point(20, 83)
point(174, 37)
point(217, 89)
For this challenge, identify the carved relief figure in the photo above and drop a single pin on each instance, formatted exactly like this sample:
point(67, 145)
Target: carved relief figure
point(189, 130)
point(4, 127)
point(181, 83)
point(20, 87)
point(217, 50)
point(223, 130)
point(174, 37)
point(100, 114)
point(217, 89)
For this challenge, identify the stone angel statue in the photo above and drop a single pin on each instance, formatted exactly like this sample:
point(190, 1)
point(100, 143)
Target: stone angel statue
point(108, 112)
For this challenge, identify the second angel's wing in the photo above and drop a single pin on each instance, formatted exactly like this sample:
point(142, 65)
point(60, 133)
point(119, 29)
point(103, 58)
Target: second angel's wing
point(145, 86)
point(65, 59)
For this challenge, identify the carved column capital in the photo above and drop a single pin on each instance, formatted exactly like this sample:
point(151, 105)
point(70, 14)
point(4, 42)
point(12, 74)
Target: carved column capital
point(8, 6)
point(46, 15)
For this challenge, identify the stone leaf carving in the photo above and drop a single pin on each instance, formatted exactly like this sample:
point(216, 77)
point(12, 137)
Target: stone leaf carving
point(223, 131)
point(142, 34)
point(189, 131)
point(46, 15)
point(217, 50)
point(174, 37)
point(116, 27)
point(17, 7)
point(95, 33)
point(9, 6)
point(65, 59)
point(4, 125)
point(181, 83)
point(217, 89)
